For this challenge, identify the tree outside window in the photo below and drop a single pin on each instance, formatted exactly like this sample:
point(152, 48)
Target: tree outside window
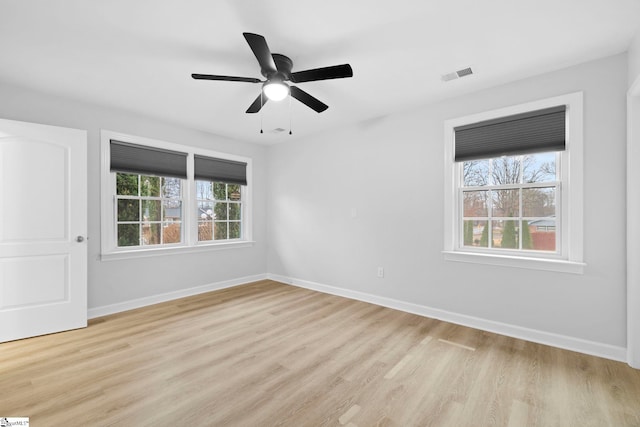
point(149, 210)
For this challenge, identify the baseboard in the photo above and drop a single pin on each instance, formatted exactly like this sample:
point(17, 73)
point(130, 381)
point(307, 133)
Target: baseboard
point(606, 351)
point(169, 296)
point(555, 340)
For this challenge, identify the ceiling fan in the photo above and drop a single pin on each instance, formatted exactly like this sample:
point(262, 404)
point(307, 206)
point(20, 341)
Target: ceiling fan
point(276, 68)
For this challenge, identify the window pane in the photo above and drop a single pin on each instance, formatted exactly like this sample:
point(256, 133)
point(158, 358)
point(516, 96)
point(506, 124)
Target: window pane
point(539, 202)
point(151, 234)
point(505, 203)
point(476, 233)
point(171, 188)
point(539, 167)
point(475, 203)
point(171, 232)
point(172, 210)
point(220, 210)
point(150, 186)
point(205, 231)
point(505, 234)
point(234, 230)
point(128, 234)
point(126, 184)
point(151, 210)
point(220, 231)
point(204, 190)
point(505, 170)
point(541, 234)
point(527, 242)
point(220, 190)
point(234, 192)
point(475, 172)
point(205, 210)
point(234, 211)
point(128, 210)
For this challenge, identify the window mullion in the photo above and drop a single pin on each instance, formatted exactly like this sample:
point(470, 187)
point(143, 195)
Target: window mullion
point(520, 181)
point(520, 224)
point(229, 203)
point(559, 219)
point(189, 203)
point(490, 219)
point(140, 223)
point(114, 209)
point(461, 223)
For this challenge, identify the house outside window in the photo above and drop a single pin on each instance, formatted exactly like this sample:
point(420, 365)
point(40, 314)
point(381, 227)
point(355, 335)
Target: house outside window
point(513, 192)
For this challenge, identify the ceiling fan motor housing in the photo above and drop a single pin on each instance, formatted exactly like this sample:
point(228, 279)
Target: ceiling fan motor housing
point(284, 65)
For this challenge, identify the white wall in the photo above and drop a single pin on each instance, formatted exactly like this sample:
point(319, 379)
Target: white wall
point(390, 170)
point(113, 282)
point(634, 59)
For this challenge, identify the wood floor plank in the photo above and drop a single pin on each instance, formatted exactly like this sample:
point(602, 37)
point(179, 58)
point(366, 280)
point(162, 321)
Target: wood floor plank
point(270, 354)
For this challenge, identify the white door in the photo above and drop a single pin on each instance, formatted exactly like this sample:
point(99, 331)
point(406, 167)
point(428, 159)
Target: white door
point(43, 225)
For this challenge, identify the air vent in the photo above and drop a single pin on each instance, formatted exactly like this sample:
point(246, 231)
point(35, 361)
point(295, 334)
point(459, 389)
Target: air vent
point(457, 74)
point(465, 72)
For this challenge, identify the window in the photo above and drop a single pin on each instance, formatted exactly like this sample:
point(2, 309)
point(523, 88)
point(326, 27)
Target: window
point(509, 203)
point(159, 197)
point(219, 185)
point(219, 211)
point(514, 186)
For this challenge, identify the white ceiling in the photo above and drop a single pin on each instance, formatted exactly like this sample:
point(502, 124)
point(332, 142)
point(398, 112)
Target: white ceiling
point(138, 55)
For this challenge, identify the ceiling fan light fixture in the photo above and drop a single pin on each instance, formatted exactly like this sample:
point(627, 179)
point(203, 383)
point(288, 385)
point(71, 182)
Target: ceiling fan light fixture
point(276, 90)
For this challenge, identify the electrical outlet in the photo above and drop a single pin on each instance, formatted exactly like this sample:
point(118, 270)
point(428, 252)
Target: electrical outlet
point(381, 272)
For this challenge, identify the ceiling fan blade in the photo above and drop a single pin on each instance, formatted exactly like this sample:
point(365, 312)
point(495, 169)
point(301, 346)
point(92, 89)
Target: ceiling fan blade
point(225, 78)
point(324, 73)
point(308, 100)
point(258, 45)
point(257, 104)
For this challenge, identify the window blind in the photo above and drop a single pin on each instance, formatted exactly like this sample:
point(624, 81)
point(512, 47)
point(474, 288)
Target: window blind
point(138, 159)
point(530, 132)
point(220, 170)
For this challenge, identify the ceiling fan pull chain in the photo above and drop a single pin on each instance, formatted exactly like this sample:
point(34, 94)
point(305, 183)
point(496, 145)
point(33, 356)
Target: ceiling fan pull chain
point(290, 113)
point(261, 103)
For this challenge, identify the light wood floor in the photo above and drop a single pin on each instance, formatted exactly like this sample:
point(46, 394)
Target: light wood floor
point(268, 354)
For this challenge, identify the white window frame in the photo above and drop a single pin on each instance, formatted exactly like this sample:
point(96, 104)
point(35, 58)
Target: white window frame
point(570, 210)
point(190, 243)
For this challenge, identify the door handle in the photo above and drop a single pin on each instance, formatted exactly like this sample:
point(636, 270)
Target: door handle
point(79, 239)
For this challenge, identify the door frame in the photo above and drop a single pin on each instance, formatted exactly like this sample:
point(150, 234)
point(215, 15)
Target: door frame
point(633, 225)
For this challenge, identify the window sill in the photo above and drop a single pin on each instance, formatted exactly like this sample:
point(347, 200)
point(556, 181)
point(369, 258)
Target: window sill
point(175, 250)
point(557, 265)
